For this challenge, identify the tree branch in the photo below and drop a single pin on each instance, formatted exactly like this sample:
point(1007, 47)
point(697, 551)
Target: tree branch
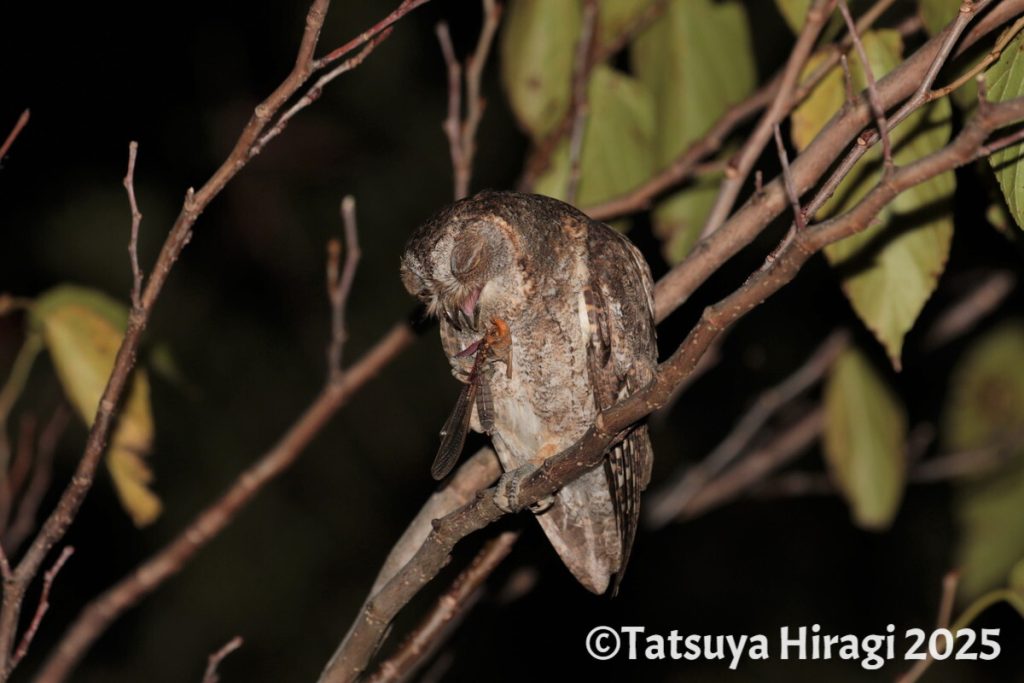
point(211, 675)
point(760, 210)
point(674, 496)
point(172, 558)
point(133, 240)
point(339, 286)
point(462, 133)
point(739, 168)
point(449, 609)
point(580, 109)
point(42, 607)
point(19, 125)
point(588, 452)
point(687, 162)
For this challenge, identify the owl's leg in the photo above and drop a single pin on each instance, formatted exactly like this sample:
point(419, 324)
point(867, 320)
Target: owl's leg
point(507, 495)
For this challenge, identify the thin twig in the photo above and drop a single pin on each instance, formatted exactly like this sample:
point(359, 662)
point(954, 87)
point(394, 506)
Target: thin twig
point(949, 584)
point(945, 42)
point(540, 157)
point(452, 125)
point(976, 304)
point(196, 201)
point(449, 609)
point(989, 59)
point(1002, 143)
point(133, 241)
point(873, 98)
point(740, 167)
point(42, 607)
point(580, 104)
point(211, 675)
point(674, 496)
point(99, 613)
point(19, 125)
point(787, 179)
point(367, 35)
point(13, 388)
point(461, 133)
point(684, 165)
point(743, 227)
point(588, 452)
point(851, 97)
point(339, 285)
point(782, 448)
point(10, 488)
point(475, 102)
point(39, 483)
point(315, 90)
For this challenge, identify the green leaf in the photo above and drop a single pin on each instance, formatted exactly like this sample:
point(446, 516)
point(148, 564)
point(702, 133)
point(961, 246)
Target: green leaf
point(1005, 80)
point(890, 269)
point(986, 407)
point(616, 153)
point(697, 60)
point(986, 400)
point(937, 14)
point(616, 16)
point(864, 440)
point(82, 329)
point(794, 12)
point(1017, 578)
point(538, 46)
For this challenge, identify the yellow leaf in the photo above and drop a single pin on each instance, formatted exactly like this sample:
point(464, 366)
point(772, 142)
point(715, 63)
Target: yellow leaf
point(890, 269)
point(82, 330)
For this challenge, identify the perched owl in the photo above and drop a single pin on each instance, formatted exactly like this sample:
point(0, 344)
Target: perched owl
point(574, 299)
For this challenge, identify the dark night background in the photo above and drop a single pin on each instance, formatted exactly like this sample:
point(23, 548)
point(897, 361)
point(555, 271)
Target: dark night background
point(245, 316)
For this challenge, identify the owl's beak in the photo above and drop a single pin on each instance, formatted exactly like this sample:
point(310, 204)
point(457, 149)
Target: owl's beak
point(470, 309)
point(463, 314)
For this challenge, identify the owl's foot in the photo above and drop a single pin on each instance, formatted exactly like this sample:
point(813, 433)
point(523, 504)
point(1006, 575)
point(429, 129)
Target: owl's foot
point(507, 495)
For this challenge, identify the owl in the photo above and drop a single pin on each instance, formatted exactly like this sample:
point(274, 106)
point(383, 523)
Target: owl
point(571, 300)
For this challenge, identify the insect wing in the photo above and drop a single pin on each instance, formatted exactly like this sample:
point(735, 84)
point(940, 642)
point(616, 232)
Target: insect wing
point(485, 405)
point(453, 434)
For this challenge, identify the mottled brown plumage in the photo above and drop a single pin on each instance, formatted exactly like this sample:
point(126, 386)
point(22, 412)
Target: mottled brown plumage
point(577, 298)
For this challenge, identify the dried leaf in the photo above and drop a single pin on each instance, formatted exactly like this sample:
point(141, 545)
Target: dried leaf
point(890, 269)
point(82, 330)
point(538, 45)
point(696, 60)
point(985, 408)
point(864, 440)
point(1005, 80)
point(616, 153)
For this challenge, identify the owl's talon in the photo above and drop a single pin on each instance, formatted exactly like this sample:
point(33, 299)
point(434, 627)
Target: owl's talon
point(507, 495)
point(542, 505)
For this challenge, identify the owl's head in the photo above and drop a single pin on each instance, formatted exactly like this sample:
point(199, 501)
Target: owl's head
point(462, 262)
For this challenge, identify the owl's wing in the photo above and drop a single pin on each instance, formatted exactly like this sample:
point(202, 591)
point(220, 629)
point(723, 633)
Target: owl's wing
point(622, 358)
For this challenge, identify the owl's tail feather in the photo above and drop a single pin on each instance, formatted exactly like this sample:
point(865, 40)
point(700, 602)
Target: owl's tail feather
point(581, 526)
